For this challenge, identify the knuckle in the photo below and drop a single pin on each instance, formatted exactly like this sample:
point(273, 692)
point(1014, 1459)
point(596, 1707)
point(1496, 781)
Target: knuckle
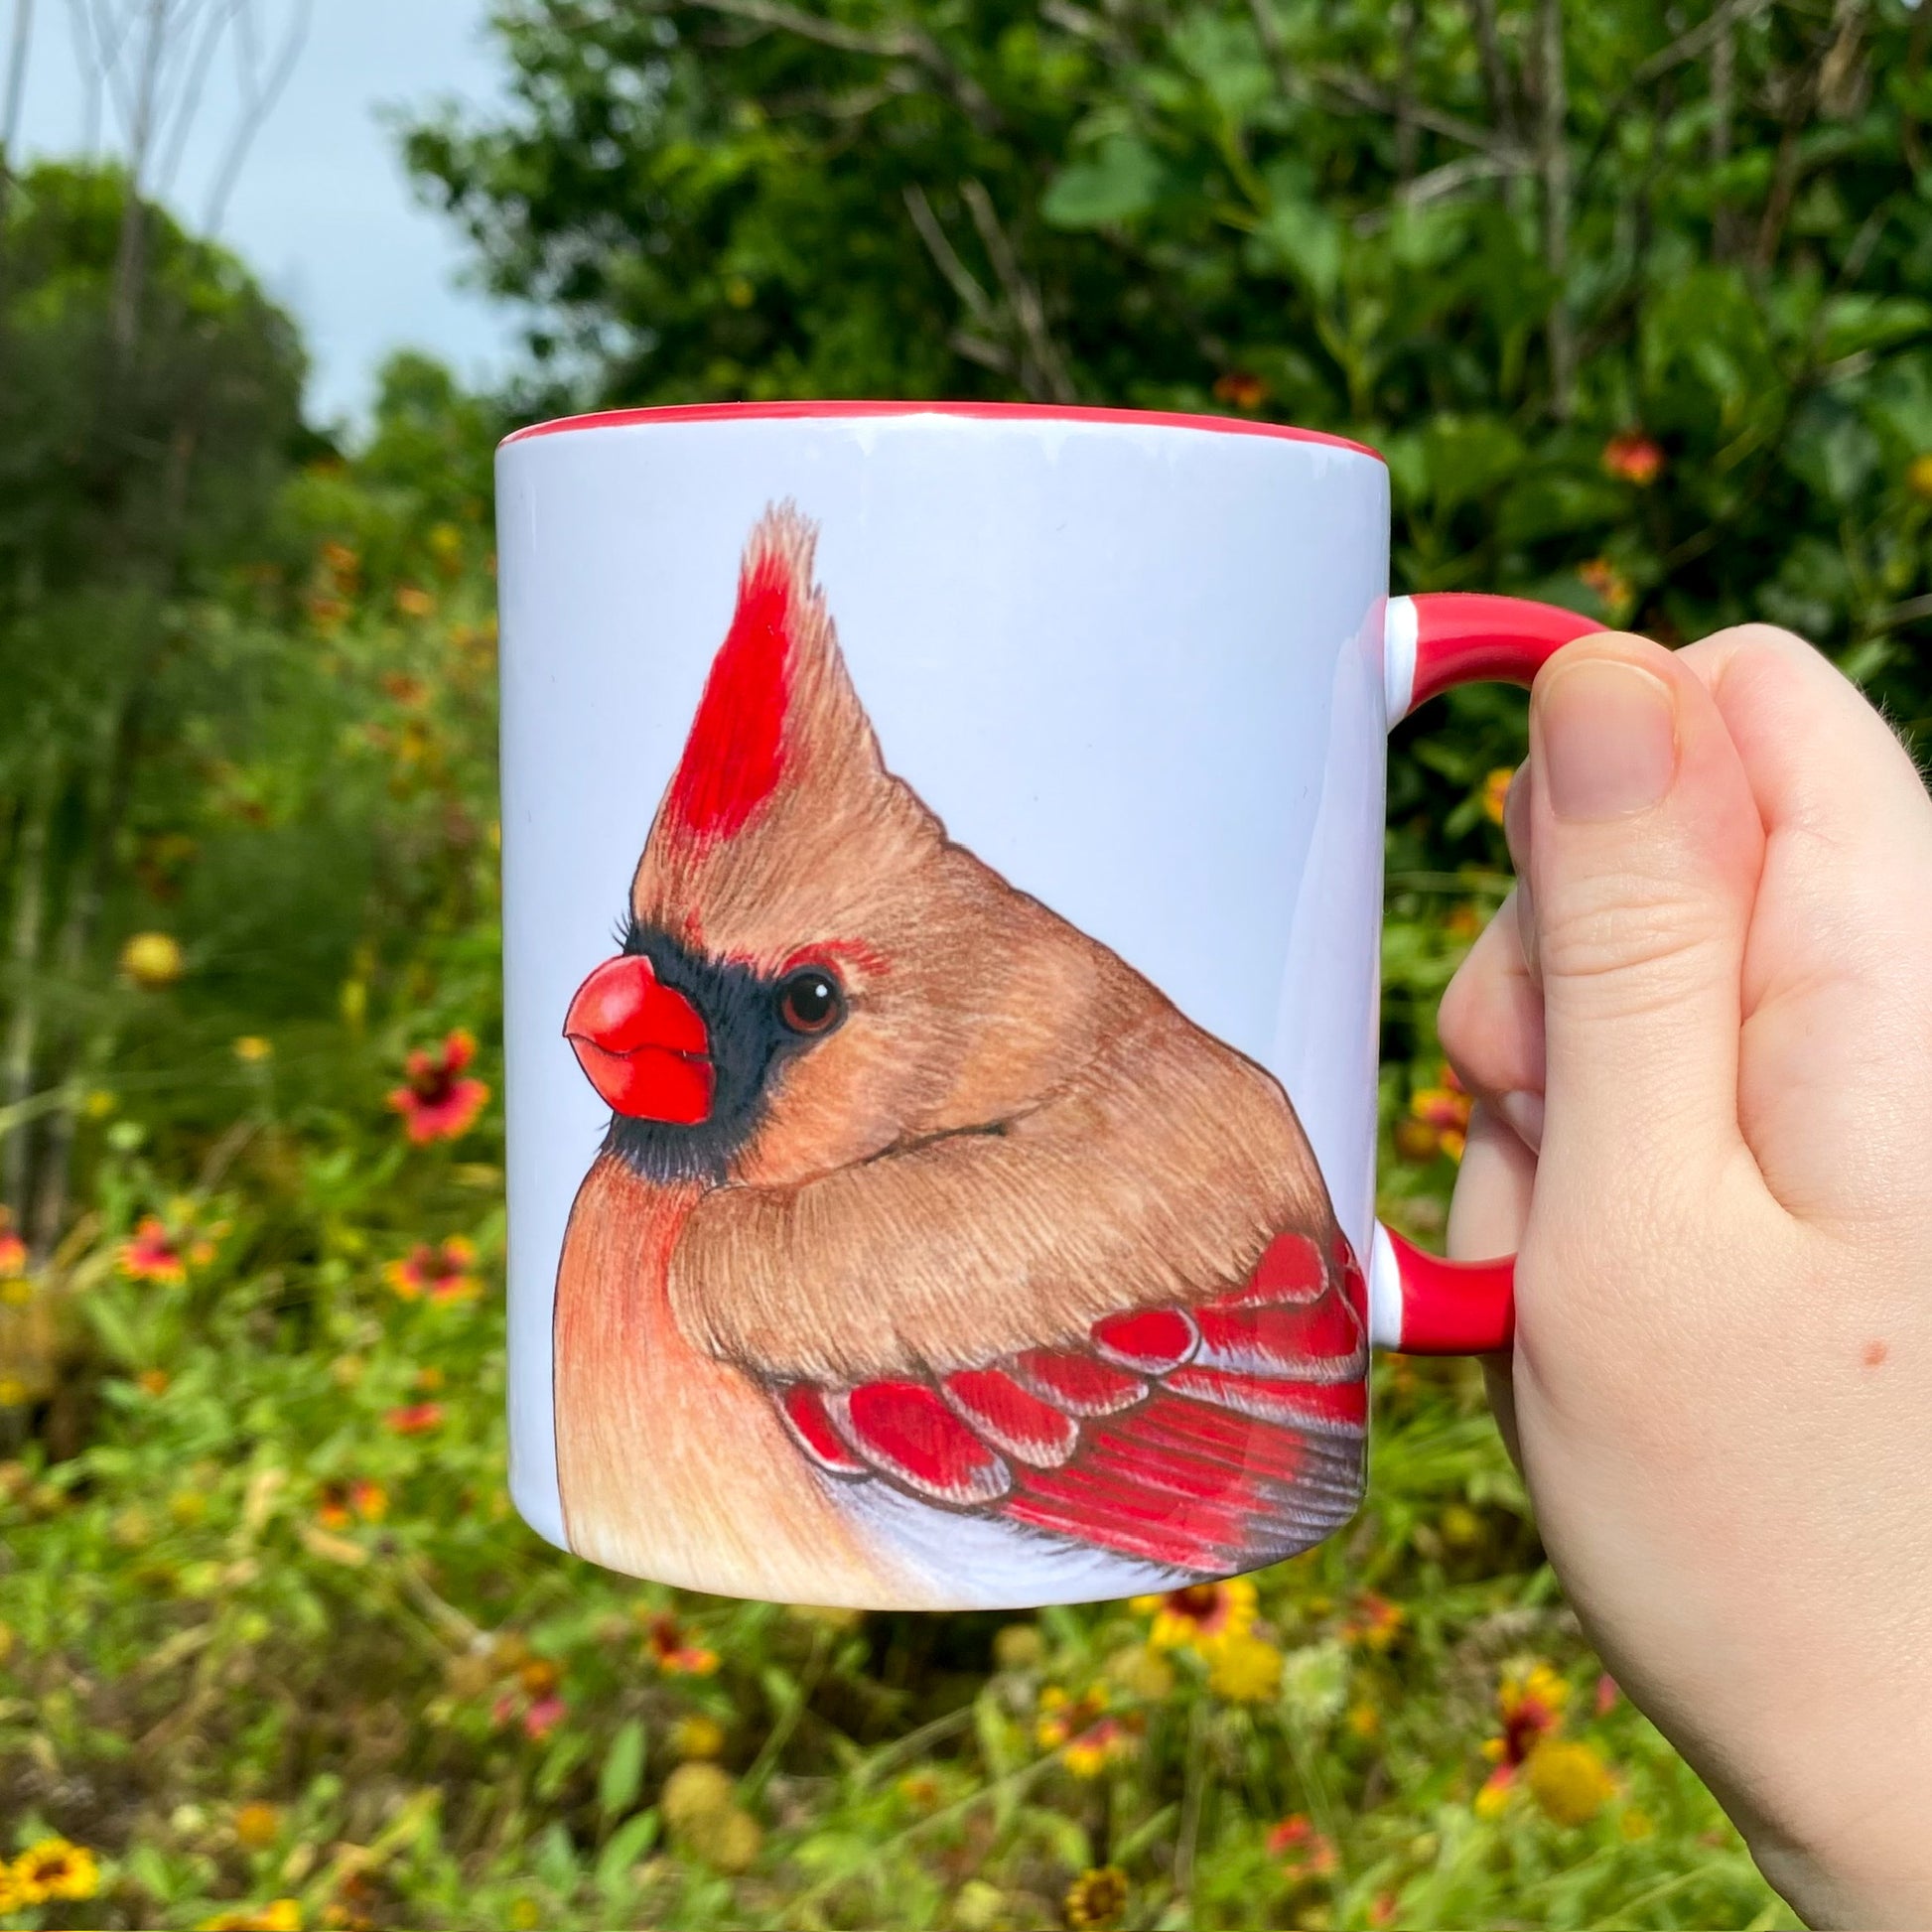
point(1642, 953)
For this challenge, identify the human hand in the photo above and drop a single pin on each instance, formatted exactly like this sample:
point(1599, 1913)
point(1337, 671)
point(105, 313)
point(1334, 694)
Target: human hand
point(1700, 1034)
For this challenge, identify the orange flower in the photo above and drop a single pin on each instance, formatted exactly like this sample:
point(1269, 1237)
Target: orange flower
point(668, 1647)
point(1441, 1111)
point(439, 1103)
point(153, 1381)
point(415, 1418)
point(444, 1272)
point(1529, 1700)
point(1242, 388)
point(1304, 1852)
point(357, 1500)
point(1611, 585)
point(1375, 1621)
point(1100, 1746)
point(13, 1250)
point(151, 1254)
point(1634, 457)
point(414, 602)
point(1495, 793)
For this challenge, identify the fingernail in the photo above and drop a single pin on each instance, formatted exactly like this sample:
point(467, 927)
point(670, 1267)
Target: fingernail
point(1524, 1114)
point(1607, 734)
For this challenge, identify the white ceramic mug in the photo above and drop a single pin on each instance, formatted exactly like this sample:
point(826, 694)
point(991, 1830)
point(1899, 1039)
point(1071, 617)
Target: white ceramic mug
point(942, 863)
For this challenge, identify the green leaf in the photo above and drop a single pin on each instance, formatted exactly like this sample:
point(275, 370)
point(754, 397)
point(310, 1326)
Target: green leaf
point(1120, 182)
point(623, 1776)
point(1306, 240)
point(626, 1845)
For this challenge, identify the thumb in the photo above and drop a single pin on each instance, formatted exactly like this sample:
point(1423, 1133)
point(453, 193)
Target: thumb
point(1645, 846)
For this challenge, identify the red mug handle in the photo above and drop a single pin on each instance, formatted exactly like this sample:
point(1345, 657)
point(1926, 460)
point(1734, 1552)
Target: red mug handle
point(1419, 1303)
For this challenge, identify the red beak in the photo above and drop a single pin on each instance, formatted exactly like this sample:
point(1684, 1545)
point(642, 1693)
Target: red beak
point(641, 1046)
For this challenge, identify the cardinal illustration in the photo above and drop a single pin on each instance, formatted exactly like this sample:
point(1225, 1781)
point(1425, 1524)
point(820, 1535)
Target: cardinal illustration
point(932, 1256)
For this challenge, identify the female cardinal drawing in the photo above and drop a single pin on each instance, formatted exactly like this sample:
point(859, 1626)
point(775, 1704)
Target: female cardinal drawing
point(933, 1256)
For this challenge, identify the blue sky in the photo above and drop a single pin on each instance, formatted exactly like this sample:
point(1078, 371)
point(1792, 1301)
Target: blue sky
point(325, 213)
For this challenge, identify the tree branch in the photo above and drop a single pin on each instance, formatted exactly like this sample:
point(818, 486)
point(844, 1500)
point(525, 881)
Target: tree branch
point(961, 279)
point(1495, 69)
point(1047, 378)
point(892, 44)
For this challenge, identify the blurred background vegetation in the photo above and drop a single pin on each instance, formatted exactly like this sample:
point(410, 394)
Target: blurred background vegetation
point(1634, 298)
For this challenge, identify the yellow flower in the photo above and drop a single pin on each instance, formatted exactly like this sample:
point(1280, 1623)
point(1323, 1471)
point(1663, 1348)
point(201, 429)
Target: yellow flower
point(1919, 476)
point(1245, 1669)
point(1569, 1780)
point(152, 961)
point(252, 1049)
point(56, 1868)
point(10, 1898)
point(1364, 1722)
point(257, 1826)
point(698, 1737)
point(1095, 1900)
point(1493, 1799)
point(282, 1915)
point(1200, 1614)
point(1495, 789)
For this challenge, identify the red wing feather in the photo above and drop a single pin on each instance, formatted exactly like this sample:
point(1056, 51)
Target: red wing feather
point(1207, 1438)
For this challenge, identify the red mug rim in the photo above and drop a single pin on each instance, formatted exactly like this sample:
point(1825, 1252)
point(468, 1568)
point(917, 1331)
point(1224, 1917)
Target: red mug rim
point(729, 412)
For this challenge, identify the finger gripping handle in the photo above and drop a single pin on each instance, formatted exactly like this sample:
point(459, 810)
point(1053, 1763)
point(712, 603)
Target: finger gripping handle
point(1420, 1302)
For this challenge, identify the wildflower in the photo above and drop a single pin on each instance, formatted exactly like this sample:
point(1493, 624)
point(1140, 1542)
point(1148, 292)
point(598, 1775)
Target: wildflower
point(1444, 1113)
point(340, 562)
point(920, 1790)
point(252, 1049)
point(413, 601)
point(1530, 1701)
point(13, 1250)
point(446, 546)
point(153, 1381)
point(1099, 1746)
point(357, 1500)
point(10, 1898)
point(439, 1103)
point(1243, 388)
point(1610, 584)
point(1461, 1527)
point(1200, 1614)
point(1634, 457)
point(669, 1648)
point(1568, 1781)
point(543, 1718)
point(1363, 1721)
point(1607, 1695)
point(55, 1868)
point(1495, 791)
point(1304, 1852)
point(1245, 1669)
point(1061, 1714)
point(152, 961)
point(444, 1272)
point(257, 1826)
point(429, 1380)
point(1375, 1622)
point(697, 1736)
point(415, 1418)
point(408, 690)
point(151, 1254)
point(283, 1915)
point(1096, 1898)
point(1919, 476)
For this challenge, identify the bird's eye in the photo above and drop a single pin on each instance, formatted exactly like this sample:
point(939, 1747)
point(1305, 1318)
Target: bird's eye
point(811, 1001)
